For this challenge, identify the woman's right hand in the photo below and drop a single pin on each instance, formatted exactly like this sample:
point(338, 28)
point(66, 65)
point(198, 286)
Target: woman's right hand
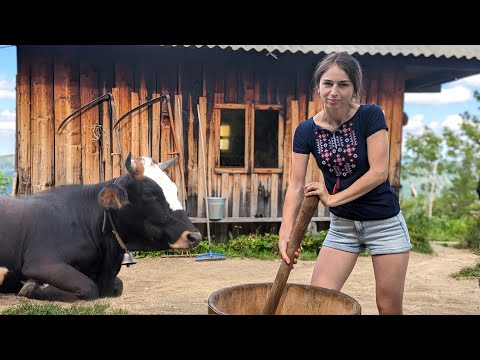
point(282, 248)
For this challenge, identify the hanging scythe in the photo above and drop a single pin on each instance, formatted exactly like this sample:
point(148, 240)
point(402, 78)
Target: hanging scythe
point(107, 96)
point(176, 150)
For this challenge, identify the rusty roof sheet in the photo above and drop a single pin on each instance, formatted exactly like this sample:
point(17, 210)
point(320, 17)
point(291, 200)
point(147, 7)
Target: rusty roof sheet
point(458, 51)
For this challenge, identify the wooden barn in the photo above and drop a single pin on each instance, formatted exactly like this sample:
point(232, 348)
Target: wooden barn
point(81, 109)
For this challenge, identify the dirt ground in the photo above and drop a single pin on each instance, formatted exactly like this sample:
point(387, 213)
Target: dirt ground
point(182, 285)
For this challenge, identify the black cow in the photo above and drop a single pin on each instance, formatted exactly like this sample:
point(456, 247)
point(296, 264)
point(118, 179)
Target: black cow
point(61, 244)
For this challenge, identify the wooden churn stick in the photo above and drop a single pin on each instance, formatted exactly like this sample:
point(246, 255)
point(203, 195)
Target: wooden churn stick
point(309, 206)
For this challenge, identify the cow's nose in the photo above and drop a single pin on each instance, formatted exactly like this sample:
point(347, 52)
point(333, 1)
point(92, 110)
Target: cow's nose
point(194, 237)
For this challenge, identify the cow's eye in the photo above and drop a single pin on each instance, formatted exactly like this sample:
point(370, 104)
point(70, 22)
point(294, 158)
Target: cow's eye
point(149, 195)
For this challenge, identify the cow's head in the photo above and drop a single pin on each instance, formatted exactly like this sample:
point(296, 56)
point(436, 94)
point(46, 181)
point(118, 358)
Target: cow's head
point(150, 216)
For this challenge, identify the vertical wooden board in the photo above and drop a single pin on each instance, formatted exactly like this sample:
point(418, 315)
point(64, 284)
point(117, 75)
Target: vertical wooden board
point(281, 138)
point(231, 79)
point(202, 178)
point(263, 188)
point(292, 122)
point(253, 194)
point(24, 151)
point(214, 149)
point(244, 195)
point(187, 153)
point(62, 109)
point(144, 129)
point(179, 130)
point(43, 125)
point(136, 137)
point(295, 118)
point(274, 196)
point(191, 72)
point(396, 132)
point(247, 78)
point(156, 128)
point(179, 169)
point(74, 151)
point(303, 95)
point(236, 195)
point(124, 83)
point(271, 85)
point(89, 123)
point(249, 135)
point(167, 77)
point(373, 86)
point(116, 142)
point(385, 94)
point(214, 140)
point(209, 83)
point(107, 118)
point(165, 143)
point(193, 198)
point(218, 185)
point(176, 135)
point(225, 192)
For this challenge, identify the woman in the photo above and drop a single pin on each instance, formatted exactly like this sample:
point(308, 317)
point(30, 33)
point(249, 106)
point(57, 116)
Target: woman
point(350, 144)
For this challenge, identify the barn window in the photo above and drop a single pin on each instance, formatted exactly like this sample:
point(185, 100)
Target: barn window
point(249, 138)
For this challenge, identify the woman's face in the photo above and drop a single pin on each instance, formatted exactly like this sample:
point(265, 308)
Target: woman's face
point(335, 88)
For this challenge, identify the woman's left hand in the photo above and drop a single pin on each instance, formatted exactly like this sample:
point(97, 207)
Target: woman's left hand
point(319, 189)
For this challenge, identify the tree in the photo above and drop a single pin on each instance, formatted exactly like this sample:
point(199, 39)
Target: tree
point(425, 160)
point(456, 154)
point(464, 150)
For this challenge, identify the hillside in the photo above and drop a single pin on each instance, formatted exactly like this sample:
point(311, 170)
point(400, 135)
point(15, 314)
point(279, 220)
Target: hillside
point(7, 167)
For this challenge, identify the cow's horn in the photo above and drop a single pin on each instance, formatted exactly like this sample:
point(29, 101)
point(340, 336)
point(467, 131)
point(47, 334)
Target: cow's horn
point(129, 165)
point(165, 165)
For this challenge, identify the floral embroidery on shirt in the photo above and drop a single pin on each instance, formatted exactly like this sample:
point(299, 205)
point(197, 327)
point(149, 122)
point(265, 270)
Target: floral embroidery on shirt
point(339, 149)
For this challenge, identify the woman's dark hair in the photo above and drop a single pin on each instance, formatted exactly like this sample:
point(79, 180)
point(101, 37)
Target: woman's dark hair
point(347, 63)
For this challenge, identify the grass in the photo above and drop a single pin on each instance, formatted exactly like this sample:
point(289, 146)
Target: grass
point(27, 308)
point(468, 272)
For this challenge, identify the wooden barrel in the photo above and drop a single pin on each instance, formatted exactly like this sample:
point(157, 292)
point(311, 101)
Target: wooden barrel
point(297, 299)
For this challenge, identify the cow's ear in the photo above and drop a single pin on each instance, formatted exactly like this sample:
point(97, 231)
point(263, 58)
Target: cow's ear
point(113, 196)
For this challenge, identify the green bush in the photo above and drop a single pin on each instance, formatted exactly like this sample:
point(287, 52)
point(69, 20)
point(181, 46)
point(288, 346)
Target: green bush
point(256, 246)
point(471, 239)
point(4, 182)
point(419, 228)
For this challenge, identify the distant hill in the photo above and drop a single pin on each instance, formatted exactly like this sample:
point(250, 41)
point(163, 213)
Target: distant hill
point(7, 167)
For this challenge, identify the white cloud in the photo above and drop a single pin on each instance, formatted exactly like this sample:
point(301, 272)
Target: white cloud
point(414, 122)
point(7, 116)
point(7, 89)
point(456, 94)
point(7, 128)
point(470, 81)
point(452, 122)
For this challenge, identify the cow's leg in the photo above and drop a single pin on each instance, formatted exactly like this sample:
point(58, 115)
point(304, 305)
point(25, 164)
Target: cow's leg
point(10, 282)
point(57, 282)
point(117, 287)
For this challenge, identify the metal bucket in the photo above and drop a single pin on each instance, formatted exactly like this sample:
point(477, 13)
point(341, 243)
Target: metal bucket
point(216, 207)
point(297, 299)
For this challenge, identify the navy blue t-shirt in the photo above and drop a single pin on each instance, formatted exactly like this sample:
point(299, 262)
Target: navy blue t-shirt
point(342, 156)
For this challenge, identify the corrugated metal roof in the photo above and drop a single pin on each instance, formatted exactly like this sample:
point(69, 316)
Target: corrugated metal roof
point(458, 51)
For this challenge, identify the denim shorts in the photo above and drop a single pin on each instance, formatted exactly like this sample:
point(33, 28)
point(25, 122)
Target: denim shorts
point(388, 236)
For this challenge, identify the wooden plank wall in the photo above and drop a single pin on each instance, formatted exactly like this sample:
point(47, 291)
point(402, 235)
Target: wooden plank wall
point(53, 84)
point(388, 94)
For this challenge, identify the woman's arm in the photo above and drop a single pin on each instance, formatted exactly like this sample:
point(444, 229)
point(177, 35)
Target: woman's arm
point(293, 200)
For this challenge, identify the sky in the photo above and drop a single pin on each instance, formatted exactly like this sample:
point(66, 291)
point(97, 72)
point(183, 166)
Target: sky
point(435, 110)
